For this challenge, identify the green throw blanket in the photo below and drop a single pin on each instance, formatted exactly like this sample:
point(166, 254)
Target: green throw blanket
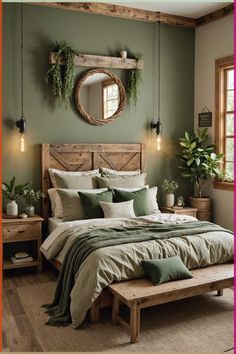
point(91, 240)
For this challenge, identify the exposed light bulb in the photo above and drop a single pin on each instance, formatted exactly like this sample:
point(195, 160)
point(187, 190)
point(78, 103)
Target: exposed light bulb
point(22, 142)
point(159, 147)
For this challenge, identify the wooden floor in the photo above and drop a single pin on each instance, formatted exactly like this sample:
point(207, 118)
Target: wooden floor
point(19, 336)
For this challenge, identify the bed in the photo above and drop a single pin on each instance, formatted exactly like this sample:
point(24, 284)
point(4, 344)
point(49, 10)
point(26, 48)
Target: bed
point(84, 157)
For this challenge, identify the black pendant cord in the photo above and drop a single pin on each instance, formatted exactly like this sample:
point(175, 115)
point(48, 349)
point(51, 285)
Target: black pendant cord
point(22, 65)
point(159, 73)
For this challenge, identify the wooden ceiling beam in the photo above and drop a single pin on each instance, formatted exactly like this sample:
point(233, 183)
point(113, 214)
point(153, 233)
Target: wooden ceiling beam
point(216, 15)
point(105, 9)
point(129, 13)
point(179, 21)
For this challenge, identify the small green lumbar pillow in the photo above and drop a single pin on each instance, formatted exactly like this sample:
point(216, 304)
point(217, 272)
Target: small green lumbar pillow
point(166, 269)
point(91, 205)
point(140, 200)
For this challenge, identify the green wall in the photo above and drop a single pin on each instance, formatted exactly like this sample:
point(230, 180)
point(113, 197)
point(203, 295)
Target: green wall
point(93, 34)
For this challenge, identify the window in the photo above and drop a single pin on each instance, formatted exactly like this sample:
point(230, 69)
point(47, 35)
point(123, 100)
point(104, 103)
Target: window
point(225, 118)
point(110, 98)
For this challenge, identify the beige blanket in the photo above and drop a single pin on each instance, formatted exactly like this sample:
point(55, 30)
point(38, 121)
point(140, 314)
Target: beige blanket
point(117, 263)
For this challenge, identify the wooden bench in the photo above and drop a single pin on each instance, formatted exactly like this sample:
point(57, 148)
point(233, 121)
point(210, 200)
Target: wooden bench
point(141, 293)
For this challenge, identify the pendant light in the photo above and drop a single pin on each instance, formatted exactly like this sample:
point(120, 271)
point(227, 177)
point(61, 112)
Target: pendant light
point(157, 125)
point(21, 123)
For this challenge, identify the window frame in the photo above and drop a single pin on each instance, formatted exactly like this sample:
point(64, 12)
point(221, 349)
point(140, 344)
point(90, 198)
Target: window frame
point(105, 84)
point(221, 67)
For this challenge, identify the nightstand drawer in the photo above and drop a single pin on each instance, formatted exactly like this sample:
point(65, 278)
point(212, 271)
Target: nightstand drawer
point(20, 232)
point(190, 213)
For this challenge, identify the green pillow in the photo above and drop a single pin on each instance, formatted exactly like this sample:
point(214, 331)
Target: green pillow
point(90, 203)
point(140, 200)
point(166, 269)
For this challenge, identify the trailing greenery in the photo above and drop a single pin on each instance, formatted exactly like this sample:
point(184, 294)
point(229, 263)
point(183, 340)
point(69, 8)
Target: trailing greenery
point(61, 77)
point(169, 186)
point(134, 80)
point(11, 191)
point(199, 161)
point(31, 196)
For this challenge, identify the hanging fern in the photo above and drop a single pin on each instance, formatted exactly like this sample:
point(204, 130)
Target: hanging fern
point(134, 80)
point(61, 77)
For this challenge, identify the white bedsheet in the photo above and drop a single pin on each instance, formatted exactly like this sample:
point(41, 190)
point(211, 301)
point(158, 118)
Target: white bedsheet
point(53, 223)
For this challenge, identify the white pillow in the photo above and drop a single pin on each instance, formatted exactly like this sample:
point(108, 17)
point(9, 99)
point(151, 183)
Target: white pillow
point(151, 196)
point(118, 210)
point(56, 204)
point(51, 172)
point(120, 173)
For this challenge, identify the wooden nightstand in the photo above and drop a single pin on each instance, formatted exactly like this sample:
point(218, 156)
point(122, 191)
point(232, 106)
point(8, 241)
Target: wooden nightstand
point(180, 211)
point(22, 235)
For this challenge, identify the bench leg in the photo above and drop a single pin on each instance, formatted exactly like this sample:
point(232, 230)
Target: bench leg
point(115, 309)
point(94, 313)
point(134, 322)
point(220, 292)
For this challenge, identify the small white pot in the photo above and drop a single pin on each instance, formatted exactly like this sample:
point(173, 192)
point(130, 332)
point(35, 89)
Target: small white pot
point(169, 200)
point(12, 208)
point(123, 54)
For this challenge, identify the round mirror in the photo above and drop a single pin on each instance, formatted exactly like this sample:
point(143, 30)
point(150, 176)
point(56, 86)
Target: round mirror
point(100, 96)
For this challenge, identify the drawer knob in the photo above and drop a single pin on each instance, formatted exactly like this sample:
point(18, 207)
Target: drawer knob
point(21, 231)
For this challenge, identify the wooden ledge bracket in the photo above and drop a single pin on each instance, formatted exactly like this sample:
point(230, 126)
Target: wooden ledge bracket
point(98, 61)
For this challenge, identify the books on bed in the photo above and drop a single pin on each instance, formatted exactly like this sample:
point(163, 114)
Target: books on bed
point(21, 257)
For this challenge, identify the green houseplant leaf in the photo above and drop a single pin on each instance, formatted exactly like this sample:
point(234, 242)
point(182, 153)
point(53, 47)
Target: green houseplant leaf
point(199, 161)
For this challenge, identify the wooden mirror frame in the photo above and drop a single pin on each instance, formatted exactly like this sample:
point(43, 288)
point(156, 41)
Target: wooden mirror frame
point(122, 94)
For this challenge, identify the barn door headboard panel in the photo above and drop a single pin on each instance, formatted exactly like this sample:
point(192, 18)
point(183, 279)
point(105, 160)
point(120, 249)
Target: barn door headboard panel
point(83, 157)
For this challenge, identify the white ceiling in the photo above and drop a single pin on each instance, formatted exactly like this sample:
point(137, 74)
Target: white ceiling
point(187, 9)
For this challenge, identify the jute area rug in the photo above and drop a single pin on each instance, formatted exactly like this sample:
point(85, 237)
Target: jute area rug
point(200, 324)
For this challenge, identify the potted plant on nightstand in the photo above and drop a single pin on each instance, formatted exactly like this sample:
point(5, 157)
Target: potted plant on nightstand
point(31, 197)
point(199, 163)
point(11, 192)
point(169, 188)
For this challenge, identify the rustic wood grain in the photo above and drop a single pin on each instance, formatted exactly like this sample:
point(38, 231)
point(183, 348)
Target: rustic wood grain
point(99, 61)
point(141, 293)
point(215, 15)
point(21, 230)
point(100, 8)
point(80, 157)
point(18, 334)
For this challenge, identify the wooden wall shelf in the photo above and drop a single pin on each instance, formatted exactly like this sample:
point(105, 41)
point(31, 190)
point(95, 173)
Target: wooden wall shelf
point(97, 61)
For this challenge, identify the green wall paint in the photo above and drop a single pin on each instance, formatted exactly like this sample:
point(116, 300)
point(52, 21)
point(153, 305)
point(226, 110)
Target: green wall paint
point(94, 34)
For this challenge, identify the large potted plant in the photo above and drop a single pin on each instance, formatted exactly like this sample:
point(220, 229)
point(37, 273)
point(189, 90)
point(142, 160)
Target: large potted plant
point(11, 192)
point(199, 163)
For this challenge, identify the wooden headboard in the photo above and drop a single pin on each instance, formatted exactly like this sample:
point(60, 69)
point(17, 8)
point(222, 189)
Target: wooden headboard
point(83, 157)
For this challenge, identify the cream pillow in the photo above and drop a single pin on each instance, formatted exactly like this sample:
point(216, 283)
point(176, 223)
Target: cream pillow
point(105, 170)
point(71, 202)
point(56, 205)
point(122, 181)
point(151, 197)
point(52, 171)
point(118, 210)
point(75, 182)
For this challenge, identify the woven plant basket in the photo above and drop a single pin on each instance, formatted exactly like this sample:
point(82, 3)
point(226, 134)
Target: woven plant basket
point(204, 207)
